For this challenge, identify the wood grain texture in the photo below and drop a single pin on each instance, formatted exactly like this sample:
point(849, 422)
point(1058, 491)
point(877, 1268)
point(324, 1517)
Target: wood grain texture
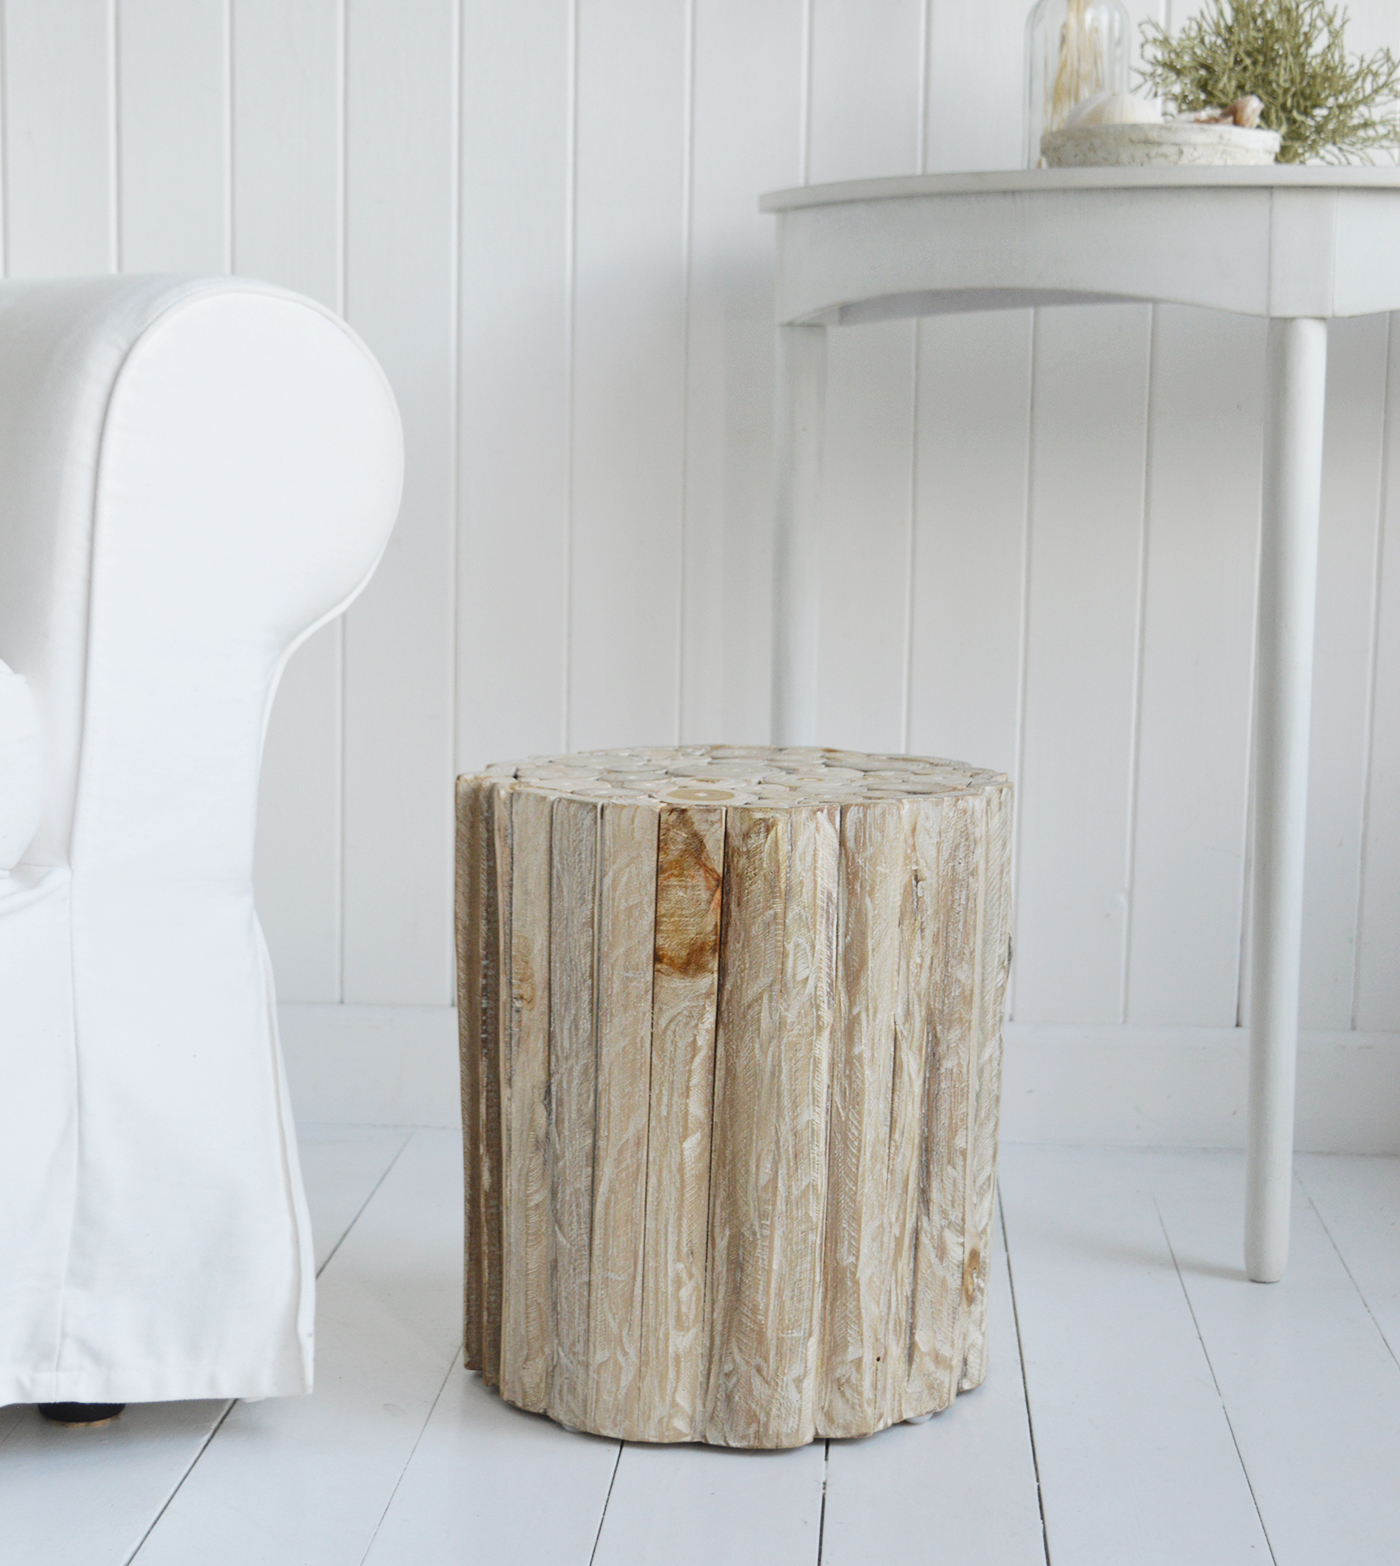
point(749, 1036)
point(469, 889)
point(573, 1091)
point(496, 1008)
point(626, 939)
point(525, 1230)
point(685, 989)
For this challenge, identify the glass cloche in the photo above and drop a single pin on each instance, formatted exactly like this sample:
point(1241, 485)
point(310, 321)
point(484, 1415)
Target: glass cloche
point(1074, 50)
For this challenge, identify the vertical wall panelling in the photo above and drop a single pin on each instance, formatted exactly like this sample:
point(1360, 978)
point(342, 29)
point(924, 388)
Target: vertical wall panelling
point(1378, 932)
point(1356, 385)
point(288, 153)
point(973, 428)
point(1040, 533)
point(1373, 23)
point(1204, 459)
point(287, 72)
point(517, 172)
point(867, 98)
point(748, 98)
point(1086, 505)
point(400, 294)
point(976, 74)
point(173, 135)
point(60, 189)
point(974, 424)
point(629, 371)
point(724, 615)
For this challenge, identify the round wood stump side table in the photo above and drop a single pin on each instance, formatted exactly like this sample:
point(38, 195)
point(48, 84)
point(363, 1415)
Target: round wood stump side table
point(731, 1052)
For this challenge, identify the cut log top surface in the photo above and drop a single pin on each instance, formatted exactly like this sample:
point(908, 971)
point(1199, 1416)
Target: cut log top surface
point(770, 778)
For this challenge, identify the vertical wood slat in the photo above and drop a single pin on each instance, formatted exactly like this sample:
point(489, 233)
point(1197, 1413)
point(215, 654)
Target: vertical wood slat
point(472, 925)
point(483, 811)
point(497, 1012)
point(914, 976)
point(993, 961)
point(526, 1228)
point(749, 1007)
point(573, 1092)
point(859, 1252)
point(801, 1104)
point(626, 944)
point(767, 1183)
point(944, 851)
point(690, 857)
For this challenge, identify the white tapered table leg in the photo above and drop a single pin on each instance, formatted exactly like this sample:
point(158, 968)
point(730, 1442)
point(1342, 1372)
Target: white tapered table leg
point(801, 399)
point(1297, 376)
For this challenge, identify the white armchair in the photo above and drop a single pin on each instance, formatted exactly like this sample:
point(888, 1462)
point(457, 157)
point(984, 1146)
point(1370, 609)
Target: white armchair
point(194, 475)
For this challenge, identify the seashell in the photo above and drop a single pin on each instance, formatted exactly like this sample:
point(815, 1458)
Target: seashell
point(1114, 108)
point(1243, 112)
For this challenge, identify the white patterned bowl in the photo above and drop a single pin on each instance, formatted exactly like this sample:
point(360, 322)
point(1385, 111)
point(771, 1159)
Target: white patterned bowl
point(1083, 146)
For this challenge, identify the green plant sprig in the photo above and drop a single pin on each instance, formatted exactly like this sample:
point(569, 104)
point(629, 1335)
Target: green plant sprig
point(1290, 54)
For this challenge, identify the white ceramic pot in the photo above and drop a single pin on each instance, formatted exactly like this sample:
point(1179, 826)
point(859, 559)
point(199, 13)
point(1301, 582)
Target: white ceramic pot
point(1185, 144)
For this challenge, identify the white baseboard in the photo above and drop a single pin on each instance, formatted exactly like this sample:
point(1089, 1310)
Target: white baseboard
point(1186, 1087)
point(1132, 1087)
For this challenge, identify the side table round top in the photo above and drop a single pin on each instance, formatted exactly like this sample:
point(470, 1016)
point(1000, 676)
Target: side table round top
point(772, 777)
point(731, 1035)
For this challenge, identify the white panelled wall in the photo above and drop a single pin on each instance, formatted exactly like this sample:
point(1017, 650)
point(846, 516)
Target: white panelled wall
point(1041, 530)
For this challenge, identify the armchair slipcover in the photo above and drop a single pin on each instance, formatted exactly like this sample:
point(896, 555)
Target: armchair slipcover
point(194, 475)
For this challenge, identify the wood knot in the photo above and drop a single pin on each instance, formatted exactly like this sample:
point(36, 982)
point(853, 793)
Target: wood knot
point(972, 1269)
point(687, 899)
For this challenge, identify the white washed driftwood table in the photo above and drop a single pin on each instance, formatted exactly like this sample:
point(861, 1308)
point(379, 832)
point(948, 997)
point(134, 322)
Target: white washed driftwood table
point(1297, 245)
point(731, 1053)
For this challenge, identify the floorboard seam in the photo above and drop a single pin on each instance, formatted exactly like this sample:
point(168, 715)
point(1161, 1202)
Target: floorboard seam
point(1025, 1383)
point(360, 1212)
point(1200, 1338)
point(457, 1354)
point(598, 1537)
point(1390, 1348)
point(179, 1484)
point(821, 1520)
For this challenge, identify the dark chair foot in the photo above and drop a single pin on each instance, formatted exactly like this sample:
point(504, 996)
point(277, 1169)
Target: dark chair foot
point(80, 1416)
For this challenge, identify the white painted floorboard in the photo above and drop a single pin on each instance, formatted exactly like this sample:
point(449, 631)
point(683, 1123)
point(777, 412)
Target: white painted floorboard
point(341, 1167)
point(88, 1498)
point(307, 1480)
point(1137, 1463)
point(1358, 1201)
point(1163, 1397)
point(489, 1483)
point(699, 1505)
point(960, 1488)
point(1312, 1389)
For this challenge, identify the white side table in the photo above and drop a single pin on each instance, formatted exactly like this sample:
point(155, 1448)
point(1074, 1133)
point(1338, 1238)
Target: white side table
point(1296, 245)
